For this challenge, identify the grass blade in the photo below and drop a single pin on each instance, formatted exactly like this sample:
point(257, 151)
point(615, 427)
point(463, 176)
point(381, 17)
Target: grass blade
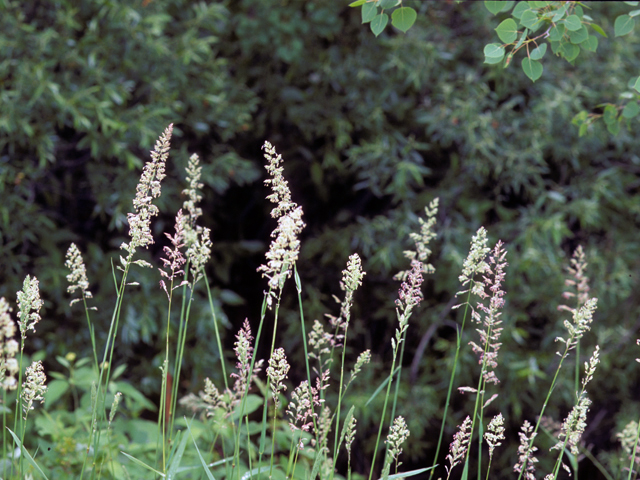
point(142, 464)
point(411, 473)
point(177, 458)
point(204, 465)
point(27, 455)
point(382, 385)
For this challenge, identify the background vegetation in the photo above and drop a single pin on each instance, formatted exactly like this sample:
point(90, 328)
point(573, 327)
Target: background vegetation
point(371, 130)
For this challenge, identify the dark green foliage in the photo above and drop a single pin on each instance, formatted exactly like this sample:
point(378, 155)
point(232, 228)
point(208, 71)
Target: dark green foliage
point(371, 130)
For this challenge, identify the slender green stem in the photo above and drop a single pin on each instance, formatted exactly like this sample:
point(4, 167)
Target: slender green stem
point(451, 380)
point(384, 411)
point(215, 326)
point(105, 372)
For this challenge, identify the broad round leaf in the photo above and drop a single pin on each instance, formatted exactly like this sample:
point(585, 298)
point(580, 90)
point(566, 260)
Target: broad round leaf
point(378, 23)
point(637, 84)
point(591, 44)
point(614, 128)
point(494, 50)
point(556, 33)
point(494, 7)
point(569, 51)
point(507, 30)
point(529, 19)
point(520, 8)
point(623, 25)
point(492, 60)
point(532, 69)
point(630, 110)
point(634, 13)
point(558, 14)
point(388, 3)
point(538, 53)
point(369, 11)
point(610, 114)
point(573, 23)
point(403, 18)
point(579, 36)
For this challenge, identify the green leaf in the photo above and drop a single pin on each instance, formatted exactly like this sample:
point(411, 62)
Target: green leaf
point(378, 23)
point(532, 69)
point(569, 51)
point(559, 13)
point(538, 53)
point(573, 23)
point(636, 85)
point(55, 390)
point(580, 118)
point(357, 3)
point(204, 464)
point(508, 5)
point(614, 128)
point(529, 19)
point(27, 454)
point(492, 60)
point(411, 473)
point(177, 458)
point(382, 385)
point(494, 50)
point(634, 13)
point(630, 110)
point(599, 30)
point(369, 11)
point(521, 7)
point(507, 30)
point(494, 7)
point(320, 457)
point(591, 44)
point(623, 25)
point(522, 37)
point(633, 4)
point(579, 36)
point(556, 33)
point(610, 114)
point(583, 129)
point(142, 464)
point(385, 4)
point(578, 11)
point(403, 18)
point(539, 4)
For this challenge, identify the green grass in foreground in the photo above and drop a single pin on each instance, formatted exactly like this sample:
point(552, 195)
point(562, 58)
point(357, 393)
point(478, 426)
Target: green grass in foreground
point(256, 425)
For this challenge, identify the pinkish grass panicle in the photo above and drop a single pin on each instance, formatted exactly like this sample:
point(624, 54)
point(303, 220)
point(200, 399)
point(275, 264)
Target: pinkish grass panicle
point(174, 260)
point(491, 331)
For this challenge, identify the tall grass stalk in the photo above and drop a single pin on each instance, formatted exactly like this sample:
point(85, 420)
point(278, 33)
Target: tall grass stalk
point(473, 265)
point(582, 319)
point(489, 340)
point(139, 222)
